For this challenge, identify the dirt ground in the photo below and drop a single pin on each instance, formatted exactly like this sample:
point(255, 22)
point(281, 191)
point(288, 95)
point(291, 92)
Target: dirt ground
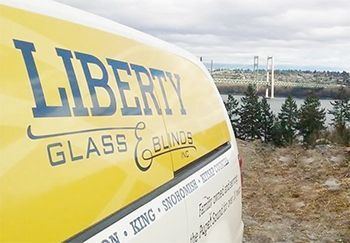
point(295, 195)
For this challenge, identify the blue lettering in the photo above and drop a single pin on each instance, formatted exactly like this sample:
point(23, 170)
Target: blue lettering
point(107, 144)
point(99, 82)
point(142, 221)
point(161, 76)
point(41, 109)
point(102, 82)
point(79, 109)
point(61, 159)
point(122, 86)
point(177, 90)
point(146, 88)
point(72, 156)
point(92, 148)
point(121, 141)
point(114, 238)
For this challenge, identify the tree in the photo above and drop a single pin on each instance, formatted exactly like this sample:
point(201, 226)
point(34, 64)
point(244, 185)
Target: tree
point(232, 110)
point(267, 120)
point(341, 109)
point(311, 119)
point(277, 133)
point(250, 114)
point(346, 77)
point(341, 116)
point(288, 118)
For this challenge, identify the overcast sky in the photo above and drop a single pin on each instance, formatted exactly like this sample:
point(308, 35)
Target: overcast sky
point(310, 33)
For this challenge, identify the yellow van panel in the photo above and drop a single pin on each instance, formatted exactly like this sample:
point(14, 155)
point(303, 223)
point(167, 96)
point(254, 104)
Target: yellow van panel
point(79, 138)
point(90, 175)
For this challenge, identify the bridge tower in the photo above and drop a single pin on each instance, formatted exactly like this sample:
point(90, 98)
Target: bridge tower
point(270, 77)
point(256, 68)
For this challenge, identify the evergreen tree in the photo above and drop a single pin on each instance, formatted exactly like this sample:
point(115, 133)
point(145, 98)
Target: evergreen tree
point(232, 110)
point(341, 109)
point(347, 113)
point(277, 133)
point(341, 116)
point(311, 119)
point(288, 118)
point(250, 114)
point(267, 120)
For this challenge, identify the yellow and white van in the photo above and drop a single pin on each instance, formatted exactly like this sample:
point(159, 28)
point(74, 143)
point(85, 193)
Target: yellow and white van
point(109, 135)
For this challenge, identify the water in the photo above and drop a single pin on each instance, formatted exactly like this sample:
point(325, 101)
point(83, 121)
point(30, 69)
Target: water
point(277, 102)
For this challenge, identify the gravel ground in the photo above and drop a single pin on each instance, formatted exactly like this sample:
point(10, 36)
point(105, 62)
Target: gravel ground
point(295, 195)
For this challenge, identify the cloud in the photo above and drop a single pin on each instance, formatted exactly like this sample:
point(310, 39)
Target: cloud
point(295, 32)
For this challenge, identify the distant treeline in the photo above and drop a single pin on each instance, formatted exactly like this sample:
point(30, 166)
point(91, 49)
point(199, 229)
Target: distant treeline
point(298, 92)
point(298, 76)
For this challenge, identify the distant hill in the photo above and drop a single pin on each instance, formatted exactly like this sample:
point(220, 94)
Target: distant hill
point(327, 83)
point(277, 66)
point(295, 76)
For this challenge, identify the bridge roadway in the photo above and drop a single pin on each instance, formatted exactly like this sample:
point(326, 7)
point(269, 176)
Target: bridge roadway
point(259, 83)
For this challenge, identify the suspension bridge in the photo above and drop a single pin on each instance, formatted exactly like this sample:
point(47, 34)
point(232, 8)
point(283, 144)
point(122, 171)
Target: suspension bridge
point(266, 78)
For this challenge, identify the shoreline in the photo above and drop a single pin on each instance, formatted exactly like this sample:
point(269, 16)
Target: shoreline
point(297, 92)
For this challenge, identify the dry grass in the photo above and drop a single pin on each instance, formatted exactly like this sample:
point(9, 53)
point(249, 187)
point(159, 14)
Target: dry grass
point(296, 195)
